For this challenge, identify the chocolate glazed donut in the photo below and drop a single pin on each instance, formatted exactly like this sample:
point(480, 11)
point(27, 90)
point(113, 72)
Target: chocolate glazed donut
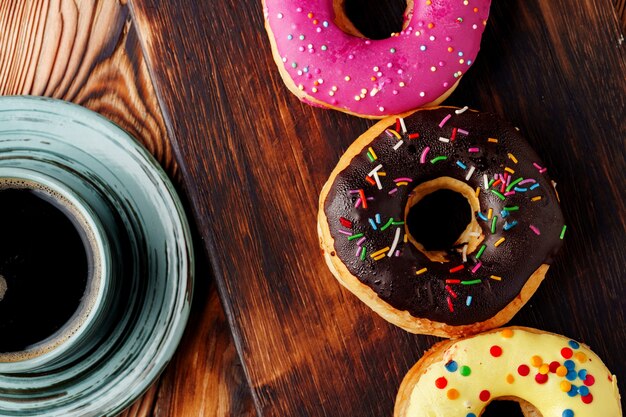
point(444, 222)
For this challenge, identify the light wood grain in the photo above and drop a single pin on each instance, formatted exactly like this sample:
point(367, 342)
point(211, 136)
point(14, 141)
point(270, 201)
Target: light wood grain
point(255, 159)
point(88, 52)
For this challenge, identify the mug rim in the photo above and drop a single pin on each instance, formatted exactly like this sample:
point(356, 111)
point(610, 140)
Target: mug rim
point(46, 351)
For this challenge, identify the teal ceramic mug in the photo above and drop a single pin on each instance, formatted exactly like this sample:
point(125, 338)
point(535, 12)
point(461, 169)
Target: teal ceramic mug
point(138, 285)
point(44, 322)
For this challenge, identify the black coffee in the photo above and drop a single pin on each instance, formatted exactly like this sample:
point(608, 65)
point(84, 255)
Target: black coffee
point(44, 266)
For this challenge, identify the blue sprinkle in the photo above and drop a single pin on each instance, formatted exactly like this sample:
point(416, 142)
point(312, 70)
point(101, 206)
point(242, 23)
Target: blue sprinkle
point(535, 185)
point(460, 53)
point(573, 391)
point(571, 376)
point(373, 224)
point(520, 190)
point(469, 62)
point(509, 226)
point(470, 415)
point(482, 216)
point(325, 24)
point(423, 48)
point(504, 213)
point(461, 164)
point(582, 390)
point(582, 374)
point(452, 366)
point(569, 364)
point(290, 37)
point(378, 218)
point(573, 344)
point(468, 301)
point(567, 413)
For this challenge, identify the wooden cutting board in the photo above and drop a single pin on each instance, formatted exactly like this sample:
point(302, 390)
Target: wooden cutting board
point(254, 158)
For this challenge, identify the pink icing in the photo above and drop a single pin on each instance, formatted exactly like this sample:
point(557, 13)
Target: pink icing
point(377, 77)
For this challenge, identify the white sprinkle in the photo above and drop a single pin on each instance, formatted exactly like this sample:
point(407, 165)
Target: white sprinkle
point(396, 239)
point(459, 111)
point(377, 179)
point(403, 125)
point(469, 174)
point(397, 145)
point(464, 253)
point(375, 170)
point(445, 140)
point(373, 92)
point(486, 181)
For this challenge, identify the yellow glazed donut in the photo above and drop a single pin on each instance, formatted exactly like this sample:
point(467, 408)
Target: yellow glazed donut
point(548, 374)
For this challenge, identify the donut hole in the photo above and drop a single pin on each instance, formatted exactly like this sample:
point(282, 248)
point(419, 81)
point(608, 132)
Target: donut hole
point(510, 407)
point(440, 218)
point(372, 19)
point(501, 408)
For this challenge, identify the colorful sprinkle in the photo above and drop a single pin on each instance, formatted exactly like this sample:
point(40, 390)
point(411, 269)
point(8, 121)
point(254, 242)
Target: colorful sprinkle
point(445, 119)
point(484, 395)
point(438, 158)
point(476, 267)
point(452, 394)
point(499, 242)
point(496, 351)
point(465, 370)
point(468, 300)
point(450, 305)
point(507, 333)
point(493, 224)
point(510, 379)
point(523, 370)
point(567, 413)
point(421, 271)
point(495, 278)
point(358, 235)
point(451, 366)
point(457, 269)
point(423, 156)
point(534, 229)
point(563, 232)
point(387, 225)
point(396, 239)
point(472, 282)
point(441, 382)
point(541, 378)
point(345, 222)
point(500, 196)
point(461, 164)
point(536, 361)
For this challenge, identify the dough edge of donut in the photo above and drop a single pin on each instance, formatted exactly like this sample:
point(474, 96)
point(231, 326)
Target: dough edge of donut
point(305, 97)
point(435, 354)
point(402, 318)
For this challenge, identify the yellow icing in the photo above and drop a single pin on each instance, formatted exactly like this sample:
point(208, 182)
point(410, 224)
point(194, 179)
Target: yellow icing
point(500, 376)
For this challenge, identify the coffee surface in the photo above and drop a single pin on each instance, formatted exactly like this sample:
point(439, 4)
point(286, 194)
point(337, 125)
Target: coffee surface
point(44, 267)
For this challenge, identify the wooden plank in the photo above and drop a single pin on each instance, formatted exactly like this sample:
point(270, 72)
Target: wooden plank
point(255, 159)
point(88, 52)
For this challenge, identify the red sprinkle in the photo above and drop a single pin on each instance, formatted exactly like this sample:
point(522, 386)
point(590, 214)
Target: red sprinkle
point(587, 399)
point(451, 291)
point(345, 222)
point(397, 125)
point(453, 134)
point(457, 268)
point(370, 180)
point(484, 395)
point(495, 351)
point(590, 380)
point(441, 383)
point(541, 378)
point(363, 199)
point(523, 370)
point(553, 366)
point(414, 135)
point(450, 306)
point(453, 281)
point(566, 352)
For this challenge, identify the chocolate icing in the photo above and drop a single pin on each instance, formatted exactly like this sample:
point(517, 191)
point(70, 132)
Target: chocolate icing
point(394, 278)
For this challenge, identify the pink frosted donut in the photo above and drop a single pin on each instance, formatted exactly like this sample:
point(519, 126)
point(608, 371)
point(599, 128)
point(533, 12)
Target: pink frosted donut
point(325, 61)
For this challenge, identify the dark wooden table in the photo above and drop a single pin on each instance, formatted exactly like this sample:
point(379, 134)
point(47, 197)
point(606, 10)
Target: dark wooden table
point(252, 160)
